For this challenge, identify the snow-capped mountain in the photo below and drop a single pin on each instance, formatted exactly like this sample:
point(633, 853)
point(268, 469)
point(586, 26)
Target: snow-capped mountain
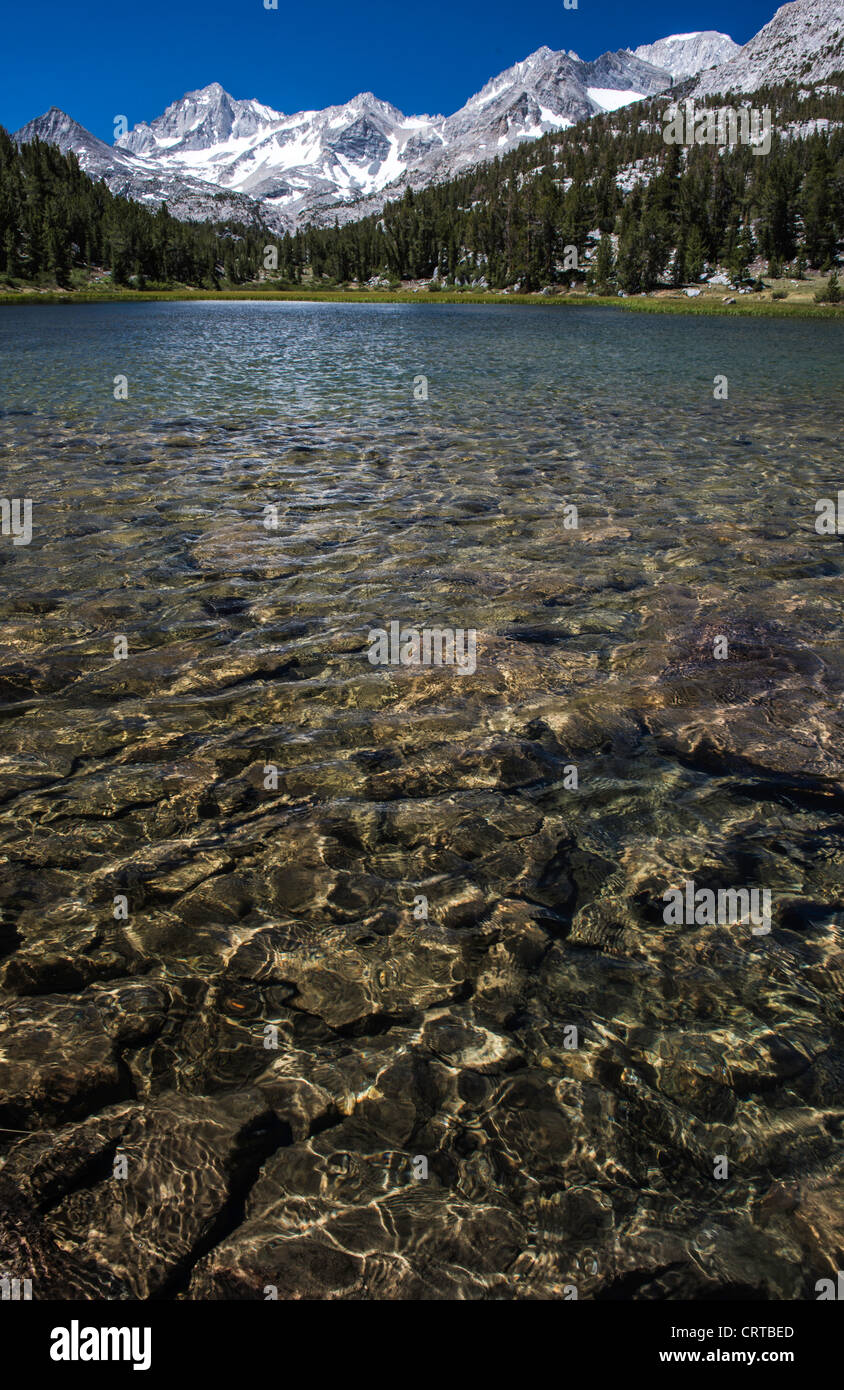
point(291, 164)
point(683, 55)
point(211, 155)
point(547, 91)
point(129, 177)
point(300, 166)
point(804, 41)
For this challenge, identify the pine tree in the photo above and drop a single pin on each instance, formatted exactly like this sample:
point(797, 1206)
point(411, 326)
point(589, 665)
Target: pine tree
point(58, 257)
point(10, 253)
point(604, 266)
point(742, 255)
point(630, 262)
point(694, 256)
point(777, 233)
point(817, 200)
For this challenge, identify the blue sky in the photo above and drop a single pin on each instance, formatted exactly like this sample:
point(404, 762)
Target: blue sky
point(102, 59)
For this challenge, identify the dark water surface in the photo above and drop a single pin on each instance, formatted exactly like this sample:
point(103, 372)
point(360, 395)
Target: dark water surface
point(269, 806)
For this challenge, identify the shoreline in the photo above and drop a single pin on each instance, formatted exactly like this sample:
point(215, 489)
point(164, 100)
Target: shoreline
point(640, 303)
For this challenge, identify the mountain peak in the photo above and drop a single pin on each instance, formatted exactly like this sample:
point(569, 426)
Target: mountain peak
point(369, 99)
point(214, 92)
point(57, 128)
point(53, 118)
point(684, 55)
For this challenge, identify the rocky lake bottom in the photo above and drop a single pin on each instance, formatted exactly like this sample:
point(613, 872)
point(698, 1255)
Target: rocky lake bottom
point(354, 981)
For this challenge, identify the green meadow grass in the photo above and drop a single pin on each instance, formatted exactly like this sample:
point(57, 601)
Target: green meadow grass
point(646, 304)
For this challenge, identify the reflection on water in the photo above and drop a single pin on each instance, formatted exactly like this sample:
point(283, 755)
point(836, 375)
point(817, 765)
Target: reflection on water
point(351, 940)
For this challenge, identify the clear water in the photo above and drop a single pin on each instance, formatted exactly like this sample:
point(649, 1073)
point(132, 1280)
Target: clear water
point(292, 900)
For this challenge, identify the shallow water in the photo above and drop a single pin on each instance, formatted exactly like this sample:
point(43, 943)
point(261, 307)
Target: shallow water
point(269, 807)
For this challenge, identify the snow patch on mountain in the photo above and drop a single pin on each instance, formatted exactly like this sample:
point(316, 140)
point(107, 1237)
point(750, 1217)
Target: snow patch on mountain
point(610, 100)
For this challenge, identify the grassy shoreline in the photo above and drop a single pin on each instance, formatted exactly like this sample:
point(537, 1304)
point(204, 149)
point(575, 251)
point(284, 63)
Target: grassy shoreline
point(649, 304)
